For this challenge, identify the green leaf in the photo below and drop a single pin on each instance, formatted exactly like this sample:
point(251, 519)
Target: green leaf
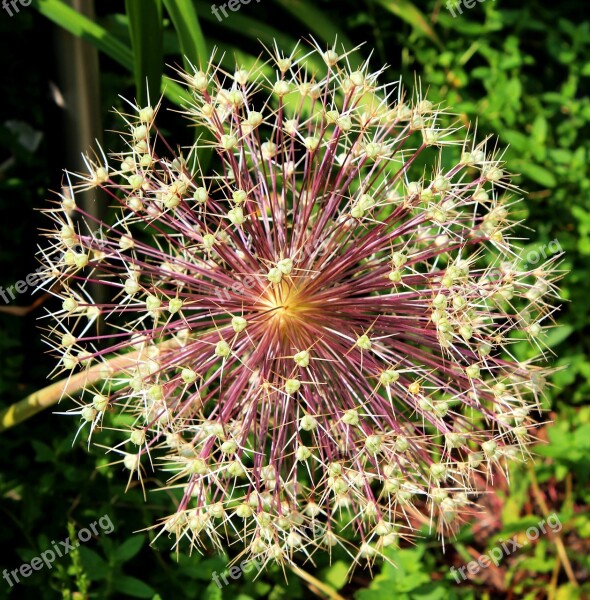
point(212, 592)
point(569, 592)
point(129, 548)
point(319, 24)
point(539, 130)
point(536, 565)
point(83, 27)
point(433, 591)
point(336, 574)
point(193, 48)
point(407, 574)
point(406, 11)
point(133, 587)
point(557, 335)
point(145, 28)
point(192, 42)
point(66, 17)
point(43, 453)
point(258, 32)
point(519, 141)
point(94, 565)
point(538, 174)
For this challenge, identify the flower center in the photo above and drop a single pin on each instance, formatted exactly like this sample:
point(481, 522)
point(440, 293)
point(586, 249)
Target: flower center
point(282, 297)
point(284, 304)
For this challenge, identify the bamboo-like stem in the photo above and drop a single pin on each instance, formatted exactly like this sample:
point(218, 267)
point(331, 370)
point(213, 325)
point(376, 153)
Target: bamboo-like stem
point(78, 77)
point(50, 395)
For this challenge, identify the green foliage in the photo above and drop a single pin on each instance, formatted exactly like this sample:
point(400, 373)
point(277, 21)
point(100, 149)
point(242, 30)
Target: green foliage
point(145, 27)
point(516, 70)
point(77, 24)
point(410, 575)
point(193, 46)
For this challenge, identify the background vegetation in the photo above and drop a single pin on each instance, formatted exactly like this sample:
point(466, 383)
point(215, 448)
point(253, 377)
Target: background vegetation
point(519, 70)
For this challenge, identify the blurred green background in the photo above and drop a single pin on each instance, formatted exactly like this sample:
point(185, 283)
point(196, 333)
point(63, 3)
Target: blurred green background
point(519, 70)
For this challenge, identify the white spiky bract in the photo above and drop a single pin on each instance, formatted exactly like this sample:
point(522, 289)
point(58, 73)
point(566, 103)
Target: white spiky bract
point(319, 331)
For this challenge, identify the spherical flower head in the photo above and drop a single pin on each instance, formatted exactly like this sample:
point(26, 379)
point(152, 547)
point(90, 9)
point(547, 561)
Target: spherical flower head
point(311, 339)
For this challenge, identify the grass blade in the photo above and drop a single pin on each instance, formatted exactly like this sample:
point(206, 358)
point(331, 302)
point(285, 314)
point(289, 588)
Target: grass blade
point(80, 26)
point(406, 11)
point(257, 31)
point(319, 24)
point(145, 28)
point(69, 19)
point(192, 42)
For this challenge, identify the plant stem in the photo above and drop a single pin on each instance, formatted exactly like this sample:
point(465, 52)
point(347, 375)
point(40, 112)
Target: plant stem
point(52, 394)
point(315, 585)
point(567, 566)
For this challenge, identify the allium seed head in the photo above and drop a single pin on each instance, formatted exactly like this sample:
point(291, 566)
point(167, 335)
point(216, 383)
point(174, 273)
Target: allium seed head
point(314, 333)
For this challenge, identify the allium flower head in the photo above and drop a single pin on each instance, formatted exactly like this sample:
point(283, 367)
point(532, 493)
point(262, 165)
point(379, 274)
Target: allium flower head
point(313, 338)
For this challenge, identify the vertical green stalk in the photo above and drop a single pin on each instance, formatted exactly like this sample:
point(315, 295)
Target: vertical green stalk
point(145, 27)
point(193, 46)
